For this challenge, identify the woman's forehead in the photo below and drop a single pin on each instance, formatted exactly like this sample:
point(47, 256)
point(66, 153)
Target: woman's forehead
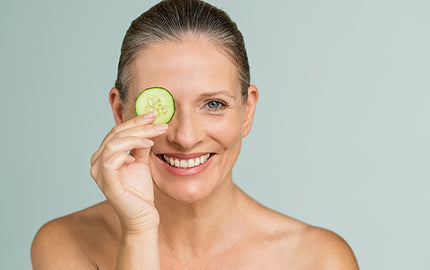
point(193, 62)
point(191, 51)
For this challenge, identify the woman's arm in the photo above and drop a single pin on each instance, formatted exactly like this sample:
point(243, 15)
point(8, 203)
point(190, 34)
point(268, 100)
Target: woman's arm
point(137, 250)
point(120, 169)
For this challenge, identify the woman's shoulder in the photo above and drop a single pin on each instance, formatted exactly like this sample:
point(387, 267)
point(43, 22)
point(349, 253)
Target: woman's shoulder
point(304, 245)
point(333, 249)
point(74, 239)
point(328, 249)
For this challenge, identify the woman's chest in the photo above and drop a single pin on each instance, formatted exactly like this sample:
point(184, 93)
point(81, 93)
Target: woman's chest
point(249, 257)
point(252, 258)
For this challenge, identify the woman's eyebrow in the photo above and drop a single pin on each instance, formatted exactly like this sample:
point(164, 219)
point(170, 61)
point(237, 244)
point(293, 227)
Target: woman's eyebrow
point(217, 93)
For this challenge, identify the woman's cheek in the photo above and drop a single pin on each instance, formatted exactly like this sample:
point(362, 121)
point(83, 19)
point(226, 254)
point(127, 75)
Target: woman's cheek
point(224, 128)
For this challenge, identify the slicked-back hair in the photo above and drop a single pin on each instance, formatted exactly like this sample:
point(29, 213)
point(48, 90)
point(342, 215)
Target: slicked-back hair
point(173, 20)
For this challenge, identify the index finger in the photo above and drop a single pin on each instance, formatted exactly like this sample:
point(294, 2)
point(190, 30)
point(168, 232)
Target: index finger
point(143, 119)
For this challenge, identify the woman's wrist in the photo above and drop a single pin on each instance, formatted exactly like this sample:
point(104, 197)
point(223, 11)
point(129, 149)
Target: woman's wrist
point(136, 235)
point(140, 229)
point(139, 249)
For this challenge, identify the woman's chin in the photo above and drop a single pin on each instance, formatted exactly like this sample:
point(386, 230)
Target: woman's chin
point(184, 192)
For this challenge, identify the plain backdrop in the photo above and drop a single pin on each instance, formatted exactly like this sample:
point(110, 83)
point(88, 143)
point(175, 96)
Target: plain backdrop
point(340, 139)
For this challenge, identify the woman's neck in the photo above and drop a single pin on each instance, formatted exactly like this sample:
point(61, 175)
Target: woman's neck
point(202, 227)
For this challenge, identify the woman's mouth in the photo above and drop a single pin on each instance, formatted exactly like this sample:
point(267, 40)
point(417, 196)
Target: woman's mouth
point(185, 163)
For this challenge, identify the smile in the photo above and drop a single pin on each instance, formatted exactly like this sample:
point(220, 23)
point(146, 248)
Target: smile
point(185, 163)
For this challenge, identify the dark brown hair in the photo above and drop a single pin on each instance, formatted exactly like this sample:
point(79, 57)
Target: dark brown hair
point(172, 20)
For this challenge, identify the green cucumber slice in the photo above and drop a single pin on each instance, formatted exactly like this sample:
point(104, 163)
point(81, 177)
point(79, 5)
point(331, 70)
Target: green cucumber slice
point(156, 99)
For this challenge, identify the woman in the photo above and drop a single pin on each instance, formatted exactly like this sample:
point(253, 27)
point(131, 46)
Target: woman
point(171, 202)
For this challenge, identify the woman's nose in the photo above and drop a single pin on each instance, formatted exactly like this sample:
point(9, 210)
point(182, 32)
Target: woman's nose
point(185, 130)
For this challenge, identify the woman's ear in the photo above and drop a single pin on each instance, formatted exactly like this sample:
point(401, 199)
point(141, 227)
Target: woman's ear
point(250, 105)
point(117, 105)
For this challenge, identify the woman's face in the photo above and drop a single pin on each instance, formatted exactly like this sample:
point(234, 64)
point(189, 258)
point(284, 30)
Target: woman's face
point(204, 136)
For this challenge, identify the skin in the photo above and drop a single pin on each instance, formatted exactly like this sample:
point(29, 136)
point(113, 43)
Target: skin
point(197, 221)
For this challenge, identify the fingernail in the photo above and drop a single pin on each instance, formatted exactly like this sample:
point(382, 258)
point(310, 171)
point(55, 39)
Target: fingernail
point(148, 142)
point(161, 127)
point(149, 114)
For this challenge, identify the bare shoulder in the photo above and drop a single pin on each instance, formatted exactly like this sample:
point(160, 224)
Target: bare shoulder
point(302, 246)
point(331, 250)
point(69, 242)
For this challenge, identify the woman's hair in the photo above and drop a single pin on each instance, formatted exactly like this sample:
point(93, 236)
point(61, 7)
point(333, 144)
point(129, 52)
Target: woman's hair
point(172, 20)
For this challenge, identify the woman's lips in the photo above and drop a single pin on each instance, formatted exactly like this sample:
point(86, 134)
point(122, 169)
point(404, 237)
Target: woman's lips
point(188, 162)
point(185, 156)
point(185, 164)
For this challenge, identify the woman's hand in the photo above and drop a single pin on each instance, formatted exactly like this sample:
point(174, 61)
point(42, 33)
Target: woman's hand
point(125, 178)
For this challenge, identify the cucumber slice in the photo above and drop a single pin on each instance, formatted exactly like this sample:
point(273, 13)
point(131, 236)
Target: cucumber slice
point(156, 99)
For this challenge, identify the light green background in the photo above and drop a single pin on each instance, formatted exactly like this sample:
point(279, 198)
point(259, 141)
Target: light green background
point(341, 135)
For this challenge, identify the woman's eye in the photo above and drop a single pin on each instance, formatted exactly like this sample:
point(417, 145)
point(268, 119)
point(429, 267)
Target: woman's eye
point(214, 105)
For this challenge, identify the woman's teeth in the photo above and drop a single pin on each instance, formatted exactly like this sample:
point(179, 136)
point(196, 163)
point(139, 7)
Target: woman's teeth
point(181, 163)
